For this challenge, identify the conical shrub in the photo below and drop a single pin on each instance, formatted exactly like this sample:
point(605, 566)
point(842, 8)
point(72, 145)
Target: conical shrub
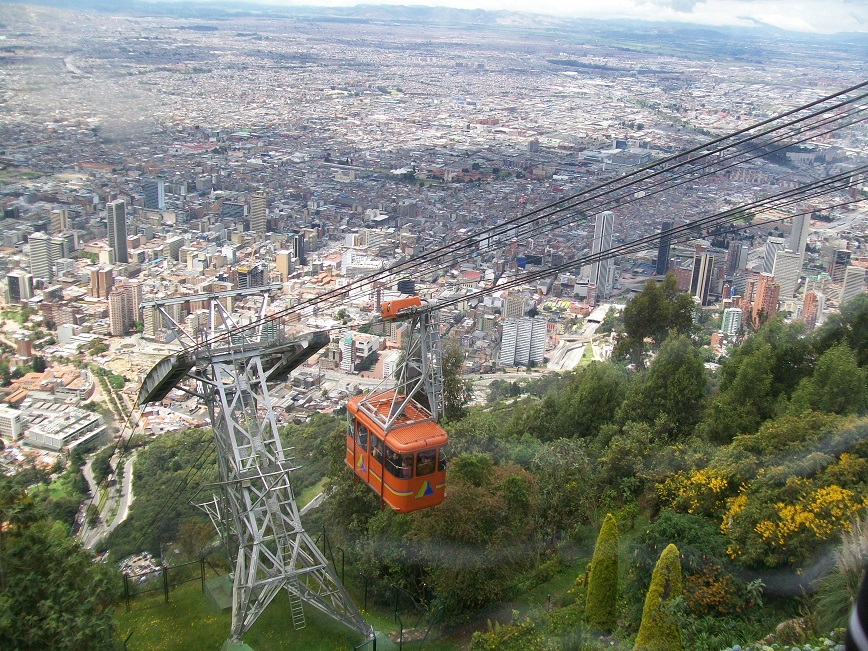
point(602, 597)
point(659, 630)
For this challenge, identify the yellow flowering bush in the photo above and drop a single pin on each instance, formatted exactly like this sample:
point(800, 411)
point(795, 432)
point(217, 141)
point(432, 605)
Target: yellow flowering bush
point(778, 532)
point(701, 492)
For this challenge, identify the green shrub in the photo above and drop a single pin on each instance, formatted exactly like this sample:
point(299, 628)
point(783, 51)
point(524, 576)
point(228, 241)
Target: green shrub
point(520, 635)
point(659, 630)
point(602, 597)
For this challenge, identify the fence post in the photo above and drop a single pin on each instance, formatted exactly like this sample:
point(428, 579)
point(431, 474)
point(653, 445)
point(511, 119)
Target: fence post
point(127, 591)
point(166, 582)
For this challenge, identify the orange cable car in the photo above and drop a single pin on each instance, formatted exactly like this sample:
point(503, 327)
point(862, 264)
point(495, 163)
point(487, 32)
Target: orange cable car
point(394, 444)
point(406, 465)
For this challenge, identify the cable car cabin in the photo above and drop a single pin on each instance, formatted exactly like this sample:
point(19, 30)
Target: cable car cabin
point(389, 309)
point(406, 466)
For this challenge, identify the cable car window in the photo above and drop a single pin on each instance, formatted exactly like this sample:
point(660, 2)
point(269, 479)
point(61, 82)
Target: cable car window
point(377, 448)
point(350, 429)
point(399, 465)
point(441, 460)
point(425, 462)
point(362, 437)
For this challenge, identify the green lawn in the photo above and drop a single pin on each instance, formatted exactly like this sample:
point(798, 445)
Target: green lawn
point(309, 493)
point(587, 355)
point(60, 487)
point(188, 622)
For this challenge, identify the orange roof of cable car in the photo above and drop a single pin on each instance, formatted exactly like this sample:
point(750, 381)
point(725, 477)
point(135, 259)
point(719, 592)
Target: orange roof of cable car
point(412, 430)
point(389, 309)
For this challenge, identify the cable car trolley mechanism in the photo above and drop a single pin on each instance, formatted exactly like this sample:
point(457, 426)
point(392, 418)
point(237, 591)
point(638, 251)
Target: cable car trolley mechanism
point(393, 442)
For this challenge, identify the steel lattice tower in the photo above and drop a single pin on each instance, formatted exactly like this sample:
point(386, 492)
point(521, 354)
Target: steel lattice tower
point(254, 509)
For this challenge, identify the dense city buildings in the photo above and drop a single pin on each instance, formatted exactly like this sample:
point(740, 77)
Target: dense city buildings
point(215, 165)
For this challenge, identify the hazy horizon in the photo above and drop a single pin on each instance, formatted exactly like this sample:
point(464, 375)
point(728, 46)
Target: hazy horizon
point(808, 16)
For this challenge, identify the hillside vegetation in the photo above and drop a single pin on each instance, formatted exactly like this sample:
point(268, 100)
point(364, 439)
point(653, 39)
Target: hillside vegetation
point(752, 471)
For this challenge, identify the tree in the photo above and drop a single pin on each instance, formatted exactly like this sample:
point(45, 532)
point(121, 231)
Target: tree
point(837, 386)
point(457, 390)
point(849, 325)
point(38, 364)
point(194, 535)
point(602, 598)
point(54, 595)
point(101, 466)
point(651, 314)
point(670, 397)
point(590, 401)
point(659, 629)
point(92, 515)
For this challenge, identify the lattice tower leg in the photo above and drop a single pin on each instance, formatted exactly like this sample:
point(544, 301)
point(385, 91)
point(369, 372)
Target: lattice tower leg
point(273, 550)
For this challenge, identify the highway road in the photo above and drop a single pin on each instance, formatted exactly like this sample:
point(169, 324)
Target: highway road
point(90, 536)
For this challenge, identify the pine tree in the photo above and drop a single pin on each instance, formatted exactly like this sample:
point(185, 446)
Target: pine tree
point(602, 598)
point(659, 630)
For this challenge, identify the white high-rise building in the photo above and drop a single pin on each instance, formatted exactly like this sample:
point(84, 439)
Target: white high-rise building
point(854, 279)
point(786, 269)
point(40, 256)
point(799, 234)
point(523, 341)
point(603, 271)
point(258, 212)
point(731, 321)
point(773, 245)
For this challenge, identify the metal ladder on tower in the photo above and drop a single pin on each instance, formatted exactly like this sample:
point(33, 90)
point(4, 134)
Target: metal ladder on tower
point(295, 606)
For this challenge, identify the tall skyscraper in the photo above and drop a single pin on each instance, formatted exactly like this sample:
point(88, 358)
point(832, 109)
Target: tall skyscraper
point(799, 234)
point(119, 322)
point(283, 264)
point(766, 301)
point(133, 291)
point(700, 283)
point(773, 245)
point(602, 272)
point(101, 281)
point(854, 279)
point(811, 308)
point(116, 220)
point(258, 204)
point(731, 321)
point(155, 194)
point(59, 221)
point(20, 286)
point(736, 258)
point(663, 249)
point(838, 262)
point(41, 264)
point(786, 270)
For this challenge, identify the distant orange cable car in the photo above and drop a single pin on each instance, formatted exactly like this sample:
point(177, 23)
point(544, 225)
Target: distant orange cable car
point(389, 309)
point(405, 465)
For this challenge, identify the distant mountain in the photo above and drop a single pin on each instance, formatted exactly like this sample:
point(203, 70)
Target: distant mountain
point(218, 10)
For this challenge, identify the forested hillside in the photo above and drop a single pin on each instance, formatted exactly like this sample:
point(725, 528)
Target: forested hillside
point(753, 470)
point(736, 482)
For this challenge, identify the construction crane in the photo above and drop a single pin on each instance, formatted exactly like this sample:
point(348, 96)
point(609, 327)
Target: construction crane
point(253, 505)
